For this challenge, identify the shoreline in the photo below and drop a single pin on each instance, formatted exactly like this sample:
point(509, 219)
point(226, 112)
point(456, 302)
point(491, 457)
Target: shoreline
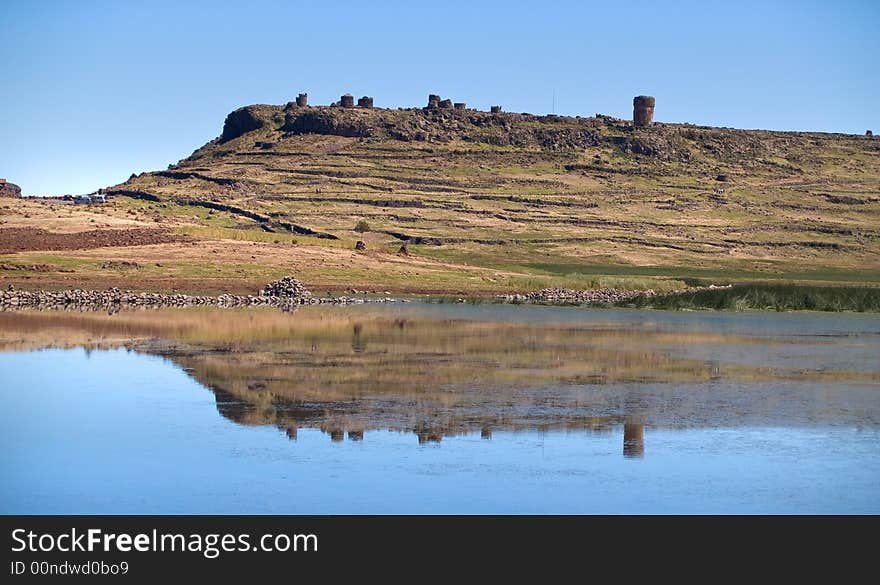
point(288, 294)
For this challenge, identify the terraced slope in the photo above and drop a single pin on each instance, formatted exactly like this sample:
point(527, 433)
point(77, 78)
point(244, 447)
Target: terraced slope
point(488, 202)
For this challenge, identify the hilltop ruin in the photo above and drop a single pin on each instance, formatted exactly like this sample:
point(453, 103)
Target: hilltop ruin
point(444, 121)
point(441, 120)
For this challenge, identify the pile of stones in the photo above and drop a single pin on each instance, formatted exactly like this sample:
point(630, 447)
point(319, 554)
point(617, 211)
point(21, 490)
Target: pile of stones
point(287, 287)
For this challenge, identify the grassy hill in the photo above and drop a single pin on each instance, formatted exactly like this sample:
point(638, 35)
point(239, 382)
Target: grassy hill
point(483, 203)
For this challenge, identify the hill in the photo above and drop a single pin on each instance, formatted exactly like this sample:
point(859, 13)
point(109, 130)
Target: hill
point(464, 201)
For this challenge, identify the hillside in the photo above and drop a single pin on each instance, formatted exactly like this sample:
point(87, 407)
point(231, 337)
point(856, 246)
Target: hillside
point(482, 202)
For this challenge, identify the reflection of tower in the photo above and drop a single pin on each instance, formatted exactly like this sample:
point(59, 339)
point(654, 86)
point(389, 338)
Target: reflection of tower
point(486, 433)
point(355, 435)
point(427, 435)
point(358, 344)
point(633, 439)
point(291, 432)
point(336, 435)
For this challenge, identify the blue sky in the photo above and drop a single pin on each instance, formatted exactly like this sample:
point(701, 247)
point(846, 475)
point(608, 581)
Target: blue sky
point(93, 91)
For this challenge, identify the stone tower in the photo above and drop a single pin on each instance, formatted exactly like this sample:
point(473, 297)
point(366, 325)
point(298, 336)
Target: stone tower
point(347, 101)
point(302, 100)
point(643, 110)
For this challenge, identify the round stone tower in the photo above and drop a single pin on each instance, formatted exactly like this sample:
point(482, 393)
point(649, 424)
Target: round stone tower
point(643, 110)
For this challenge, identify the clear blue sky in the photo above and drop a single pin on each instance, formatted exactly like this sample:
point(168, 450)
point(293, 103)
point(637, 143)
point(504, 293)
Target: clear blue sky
point(93, 91)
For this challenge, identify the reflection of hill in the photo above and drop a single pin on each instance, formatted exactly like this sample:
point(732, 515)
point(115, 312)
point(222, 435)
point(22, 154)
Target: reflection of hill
point(349, 371)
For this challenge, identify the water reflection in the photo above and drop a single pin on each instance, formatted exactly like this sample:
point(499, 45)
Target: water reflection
point(438, 373)
point(633, 440)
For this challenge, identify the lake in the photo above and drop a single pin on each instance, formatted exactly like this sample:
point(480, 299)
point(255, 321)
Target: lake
point(439, 408)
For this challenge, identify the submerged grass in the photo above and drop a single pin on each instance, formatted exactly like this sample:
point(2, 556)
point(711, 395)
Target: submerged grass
point(774, 297)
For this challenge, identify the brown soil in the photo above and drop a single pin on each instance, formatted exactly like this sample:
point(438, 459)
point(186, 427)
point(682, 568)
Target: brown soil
point(29, 267)
point(28, 239)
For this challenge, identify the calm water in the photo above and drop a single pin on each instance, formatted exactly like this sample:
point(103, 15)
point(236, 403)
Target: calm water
point(439, 409)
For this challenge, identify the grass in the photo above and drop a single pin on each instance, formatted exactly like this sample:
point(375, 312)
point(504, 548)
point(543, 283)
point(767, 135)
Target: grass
point(649, 224)
point(773, 297)
point(697, 276)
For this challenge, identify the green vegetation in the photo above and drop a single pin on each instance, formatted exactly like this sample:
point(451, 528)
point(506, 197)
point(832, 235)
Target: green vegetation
point(774, 297)
point(490, 203)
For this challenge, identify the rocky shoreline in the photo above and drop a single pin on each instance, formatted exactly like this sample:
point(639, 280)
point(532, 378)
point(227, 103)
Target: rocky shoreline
point(580, 297)
point(595, 296)
point(285, 294)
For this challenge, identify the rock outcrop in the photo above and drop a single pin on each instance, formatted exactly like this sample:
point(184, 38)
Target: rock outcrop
point(9, 189)
point(441, 122)
point(248, 119)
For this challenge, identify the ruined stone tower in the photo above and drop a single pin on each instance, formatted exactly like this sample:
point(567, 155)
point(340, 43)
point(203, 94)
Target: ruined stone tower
point(643, 110)
point(460, 105)
point(495, 109)
point(347, 101)
point(365, 102)
point(433, 100)
point(302, 100)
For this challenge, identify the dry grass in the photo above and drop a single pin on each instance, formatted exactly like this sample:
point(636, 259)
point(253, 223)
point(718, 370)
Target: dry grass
point(491, 218)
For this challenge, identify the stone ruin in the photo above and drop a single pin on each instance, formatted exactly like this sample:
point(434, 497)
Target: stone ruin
point(868, 133)
point(643, 110)
point(360, 245)
point(434, 102)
